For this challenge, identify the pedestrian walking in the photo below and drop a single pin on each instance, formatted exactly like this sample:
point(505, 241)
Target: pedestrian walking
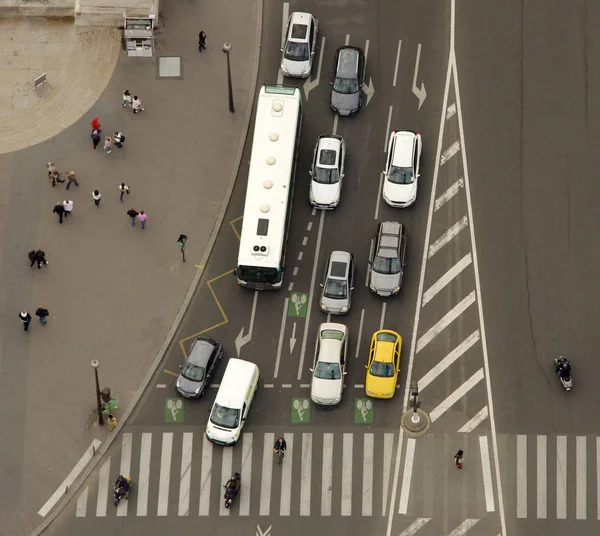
point(96, 196)
point(25, 318)
point(71, 178)
point(32, 256)
point(68, 205)
point(95, 138)
point(201, 41)
point(124, 189)
point(42, 313)
point(136, 105)
point(107, 144)
point(126, 98)
point(55, 176)
point(118, 139)
point(50, 168)
point(96, 124)
point(41, 257)
point(142, 217)
point(458, 458)
point(133, 214)
point(112, 422)
point(60, 210)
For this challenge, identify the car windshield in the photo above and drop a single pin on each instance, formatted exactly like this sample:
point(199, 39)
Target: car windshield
point(346, 86)
point(328, 371)
point(386, 265)
point(296, 51)
point(332, 334)
point(192, 372)
point(401, 175)
point(225, 417)
point(326, 175)
point(336, 289)
point(382, 370)
point(386, 337)
point(254, 274)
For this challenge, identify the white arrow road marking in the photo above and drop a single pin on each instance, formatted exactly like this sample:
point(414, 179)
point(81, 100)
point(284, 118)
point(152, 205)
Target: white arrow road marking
point(369, 90)
point(415, 526)
point(259, 531)
point(242, 339)
point(421, 94)
point(311, 84)
point(293, 339)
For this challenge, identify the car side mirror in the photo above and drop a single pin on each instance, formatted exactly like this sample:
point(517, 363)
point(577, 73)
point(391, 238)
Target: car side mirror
point(312, 53)
point(342, 176)
point(180, 367)
point(310, 173)
point(366, 366)
point(312, 370)
point(345, 373)
point(281, 49)
point(244, 419)
point(331, 83)
point(321, 285)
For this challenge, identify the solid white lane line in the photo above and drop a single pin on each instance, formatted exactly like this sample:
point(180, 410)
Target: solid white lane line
point(226, 472)
point(449, 235)
point(286, 477)
point(281, 334)
point(79, 466)
point(450, 152)
point(347, 40)
point(542, 482)
point(366, 54)
point(451, 110)
point(387, 129)
point(103, 487)
point(305, 474)
point(397, 63)
point(165, 474)
point(370, 255)
point(475, 421)
point(454, 397)
point(486, 361)
point(327, 475)
point(82, 503)
point(442, 365)
point(336, 118)
point(205, 476)
point(449, 194)
point(580, 477)
point(378, 202)
point(347, 450)
point(144, 474)
point(415, 526)
point(521, 476)
point(185, 475)
point(367, 483)
point(409, 459)
point(446, 320)
point(561, 477)
point(598, 478)
point(451, 274)
point(267, 475)
point(125, 468)
point(311, 294)
point(284, 21)
point(464, 527)
point(246, 473)
point(360, 328)
point(388, 443)
point(382, 318)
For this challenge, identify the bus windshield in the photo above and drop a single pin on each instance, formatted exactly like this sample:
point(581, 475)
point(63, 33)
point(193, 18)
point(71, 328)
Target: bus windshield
point(255, 274)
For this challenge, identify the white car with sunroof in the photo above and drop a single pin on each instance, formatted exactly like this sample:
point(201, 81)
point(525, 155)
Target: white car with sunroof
point(327, 172)
point(329, 364)
point(401, 174)
point(300, 45)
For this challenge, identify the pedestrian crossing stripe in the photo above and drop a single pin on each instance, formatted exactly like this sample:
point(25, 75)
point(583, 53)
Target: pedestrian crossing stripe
point(183, 473)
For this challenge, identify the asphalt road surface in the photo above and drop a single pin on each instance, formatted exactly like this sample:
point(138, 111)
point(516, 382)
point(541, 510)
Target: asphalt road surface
point(500, 279)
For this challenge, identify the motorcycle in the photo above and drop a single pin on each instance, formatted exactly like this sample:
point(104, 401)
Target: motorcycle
point(563, 369)
point(231, 490)
point(121, 489)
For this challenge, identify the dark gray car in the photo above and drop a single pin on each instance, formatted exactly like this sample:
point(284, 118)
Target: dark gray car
point(198, 367)
point(348, 78)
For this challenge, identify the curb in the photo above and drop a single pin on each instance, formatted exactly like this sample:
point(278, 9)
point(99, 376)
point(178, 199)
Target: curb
point(187, 300)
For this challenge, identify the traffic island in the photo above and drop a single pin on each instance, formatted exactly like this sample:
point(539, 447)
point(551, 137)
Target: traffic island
point(416, 422)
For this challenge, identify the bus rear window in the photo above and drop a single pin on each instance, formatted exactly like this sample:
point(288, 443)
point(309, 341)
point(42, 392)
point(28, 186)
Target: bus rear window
point(254, 274)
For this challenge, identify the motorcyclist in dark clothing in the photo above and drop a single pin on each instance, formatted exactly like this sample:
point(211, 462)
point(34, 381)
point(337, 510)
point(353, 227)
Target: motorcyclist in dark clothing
point(233, 483)
point(563, 368)
point(122, 484)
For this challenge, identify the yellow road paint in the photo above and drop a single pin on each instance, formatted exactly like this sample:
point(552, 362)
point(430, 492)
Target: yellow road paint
point(170, 373)
point(198, 266)
point(235, 220)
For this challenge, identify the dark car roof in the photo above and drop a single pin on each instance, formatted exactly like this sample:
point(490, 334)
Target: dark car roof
point(348, 61)
point(201, 351)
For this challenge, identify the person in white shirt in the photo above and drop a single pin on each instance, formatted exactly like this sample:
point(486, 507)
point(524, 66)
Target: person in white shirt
point(96, 196)
point(68, 204)
point(136, 104)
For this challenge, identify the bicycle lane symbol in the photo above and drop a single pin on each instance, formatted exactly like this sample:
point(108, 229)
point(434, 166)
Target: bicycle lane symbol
point(298, 304)
point(300, 410)
point(174, 410)
point(363, 411)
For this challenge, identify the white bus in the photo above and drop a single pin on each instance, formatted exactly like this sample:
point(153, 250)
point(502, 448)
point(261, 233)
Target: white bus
point(268, 206)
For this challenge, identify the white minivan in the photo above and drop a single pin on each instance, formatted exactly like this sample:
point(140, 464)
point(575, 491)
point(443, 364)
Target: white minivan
point(230, 410)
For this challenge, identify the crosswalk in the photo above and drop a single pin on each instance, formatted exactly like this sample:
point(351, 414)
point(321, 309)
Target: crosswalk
point(182, 474)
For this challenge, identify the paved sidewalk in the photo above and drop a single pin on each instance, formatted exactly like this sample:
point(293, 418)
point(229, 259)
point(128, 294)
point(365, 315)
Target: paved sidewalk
point(112, 290)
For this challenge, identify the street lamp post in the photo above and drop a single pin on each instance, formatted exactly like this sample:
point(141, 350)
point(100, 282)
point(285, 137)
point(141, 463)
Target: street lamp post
point(227, 50)
point(95, 365)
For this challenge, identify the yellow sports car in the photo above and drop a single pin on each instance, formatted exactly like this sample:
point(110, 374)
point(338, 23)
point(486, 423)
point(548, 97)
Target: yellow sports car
point(384, 364)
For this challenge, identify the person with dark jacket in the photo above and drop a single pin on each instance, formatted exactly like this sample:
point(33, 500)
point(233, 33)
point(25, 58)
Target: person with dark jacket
point(118, 138)
point(41, 257)
point(133, 214)
point(60, 210)
point(96, 137)
point(32, 258)
point(42, 313)
point(25, 317)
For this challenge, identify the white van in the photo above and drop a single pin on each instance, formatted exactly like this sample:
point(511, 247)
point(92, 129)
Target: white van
point(230, 410)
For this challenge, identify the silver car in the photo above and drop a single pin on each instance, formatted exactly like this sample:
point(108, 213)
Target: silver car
point(336, 296)
point(348, 79)
point(300, 45)
point(198, 367)
point(388, 258)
